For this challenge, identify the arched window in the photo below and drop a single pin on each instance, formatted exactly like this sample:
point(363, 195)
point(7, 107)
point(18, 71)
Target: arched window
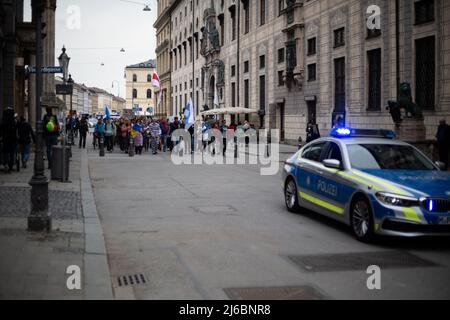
point(149, 78)
point(149, 94)
point(135, 94)
point(134, 78)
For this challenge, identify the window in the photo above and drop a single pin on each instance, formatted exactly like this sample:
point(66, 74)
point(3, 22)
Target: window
point(280, 78)
point(262, 8)
point(222, 29)
point(233, 71)
point(424, 10)
point(339, 83)
point(280, 6)
point(262, 92)
point(312, 46)
point(281, 55)
point(149, 94)
point(312, 72)
point(233, 25)
point(426, 72)
point(246, 67)
point(246, 93)
point(314, 152)
point(334, 153)
point(135, 94)
point(387, 157)
point(262, 62)
point(374, 59)
point(149, 78)
point(246, 17)
point(339, 37)
point(134, 78)
point(233, 94)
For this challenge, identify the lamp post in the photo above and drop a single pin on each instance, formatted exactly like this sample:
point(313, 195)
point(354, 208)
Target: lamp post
point(71, 82)
point(64, 60)
point(39, 219)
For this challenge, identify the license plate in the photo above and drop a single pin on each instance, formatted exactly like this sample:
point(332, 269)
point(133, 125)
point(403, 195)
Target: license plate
point(444, 221)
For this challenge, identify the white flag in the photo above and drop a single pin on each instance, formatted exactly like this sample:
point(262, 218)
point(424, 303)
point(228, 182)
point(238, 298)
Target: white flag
point(189, 114)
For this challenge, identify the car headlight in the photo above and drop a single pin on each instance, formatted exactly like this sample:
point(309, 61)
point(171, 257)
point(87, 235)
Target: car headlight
point(397, 200)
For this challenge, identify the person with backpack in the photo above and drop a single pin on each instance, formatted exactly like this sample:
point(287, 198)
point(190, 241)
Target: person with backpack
point(99, 129)
point(51, 134)
point(26, 136)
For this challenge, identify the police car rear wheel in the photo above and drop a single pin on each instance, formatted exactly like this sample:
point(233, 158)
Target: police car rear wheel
point(362, 220)
point(290, 193)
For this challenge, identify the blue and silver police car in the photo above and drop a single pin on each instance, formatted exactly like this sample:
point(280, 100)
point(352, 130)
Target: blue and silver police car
point(372, 182)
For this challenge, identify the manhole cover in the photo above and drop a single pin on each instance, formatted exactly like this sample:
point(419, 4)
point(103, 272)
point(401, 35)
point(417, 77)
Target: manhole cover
point(275, 293)
point(139, 279)
point(215, 209)
point(360, 261)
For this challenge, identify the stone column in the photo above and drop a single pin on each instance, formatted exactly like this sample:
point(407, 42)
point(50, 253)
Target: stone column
point(48, 17)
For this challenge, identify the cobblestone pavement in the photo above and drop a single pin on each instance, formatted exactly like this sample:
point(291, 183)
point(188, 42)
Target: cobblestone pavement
point(33, 265)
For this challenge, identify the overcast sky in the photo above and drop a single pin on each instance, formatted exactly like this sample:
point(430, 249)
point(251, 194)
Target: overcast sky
point(105, 26)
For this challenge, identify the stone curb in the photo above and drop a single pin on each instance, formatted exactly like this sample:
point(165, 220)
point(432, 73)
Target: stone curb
point(97, 278)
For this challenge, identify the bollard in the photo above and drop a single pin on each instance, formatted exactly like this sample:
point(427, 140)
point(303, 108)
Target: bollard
point(102, 145)
point(131, 148)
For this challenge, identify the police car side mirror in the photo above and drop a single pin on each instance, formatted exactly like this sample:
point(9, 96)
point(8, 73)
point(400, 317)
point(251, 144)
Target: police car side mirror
point(332, 163)
point(440, 165)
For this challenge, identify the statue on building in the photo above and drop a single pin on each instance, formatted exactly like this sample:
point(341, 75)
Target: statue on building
point(405, 102)
point(214, 36)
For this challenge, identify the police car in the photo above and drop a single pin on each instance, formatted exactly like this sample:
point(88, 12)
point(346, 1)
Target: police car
point(371, 182)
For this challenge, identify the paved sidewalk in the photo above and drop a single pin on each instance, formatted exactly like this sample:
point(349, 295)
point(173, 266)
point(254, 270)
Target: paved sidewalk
point(33, 265)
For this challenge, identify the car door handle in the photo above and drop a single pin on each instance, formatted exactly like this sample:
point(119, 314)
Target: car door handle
point(319, 172)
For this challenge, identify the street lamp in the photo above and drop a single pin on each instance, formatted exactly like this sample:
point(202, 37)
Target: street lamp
point(64, 60)
point(39, 219)
point(71, 82)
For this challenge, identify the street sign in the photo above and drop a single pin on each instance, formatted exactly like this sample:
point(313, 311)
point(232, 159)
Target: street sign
point(32, 69)
point(64, 89)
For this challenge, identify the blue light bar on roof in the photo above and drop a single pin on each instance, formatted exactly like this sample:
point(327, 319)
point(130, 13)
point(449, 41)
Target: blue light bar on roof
point(362, 133)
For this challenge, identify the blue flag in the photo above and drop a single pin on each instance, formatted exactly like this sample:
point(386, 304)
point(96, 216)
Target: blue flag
point(107, 113)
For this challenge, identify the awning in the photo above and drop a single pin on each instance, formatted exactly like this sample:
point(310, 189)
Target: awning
point(226, 111)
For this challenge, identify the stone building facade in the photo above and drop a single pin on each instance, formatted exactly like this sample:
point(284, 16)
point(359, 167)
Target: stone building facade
point(18, 50)
point(140, 92)
point(163, 35)
point(295, 61)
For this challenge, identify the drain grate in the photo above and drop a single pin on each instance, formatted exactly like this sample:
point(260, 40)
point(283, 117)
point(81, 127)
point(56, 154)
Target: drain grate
point(132, 280)
point(360, 261)
point(275, 293)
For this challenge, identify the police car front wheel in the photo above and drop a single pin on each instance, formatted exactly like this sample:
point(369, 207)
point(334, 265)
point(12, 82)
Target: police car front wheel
point(362, 220)
point(290, 194)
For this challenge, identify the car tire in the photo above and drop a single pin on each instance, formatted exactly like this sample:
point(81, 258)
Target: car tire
point(361, 220)
point(291, 196)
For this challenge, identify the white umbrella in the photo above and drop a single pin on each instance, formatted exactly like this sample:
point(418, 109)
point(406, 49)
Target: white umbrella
point(225, 111)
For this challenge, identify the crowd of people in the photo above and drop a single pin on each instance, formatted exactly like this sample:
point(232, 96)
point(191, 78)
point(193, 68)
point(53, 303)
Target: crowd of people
point(142, 134)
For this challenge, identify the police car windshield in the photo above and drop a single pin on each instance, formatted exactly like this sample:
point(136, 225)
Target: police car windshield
point(387, 157)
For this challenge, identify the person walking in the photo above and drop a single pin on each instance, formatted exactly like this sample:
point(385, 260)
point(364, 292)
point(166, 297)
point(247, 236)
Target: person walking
point(26, 136)
point(155, 131)
point(110, 130)
point(165, 131)
point(8, 136)
point(51, 134)
point(443, 138)
point(83, 129)
point(99, 130)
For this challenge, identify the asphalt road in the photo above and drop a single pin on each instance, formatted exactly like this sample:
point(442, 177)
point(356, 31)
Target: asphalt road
point(195, 232)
